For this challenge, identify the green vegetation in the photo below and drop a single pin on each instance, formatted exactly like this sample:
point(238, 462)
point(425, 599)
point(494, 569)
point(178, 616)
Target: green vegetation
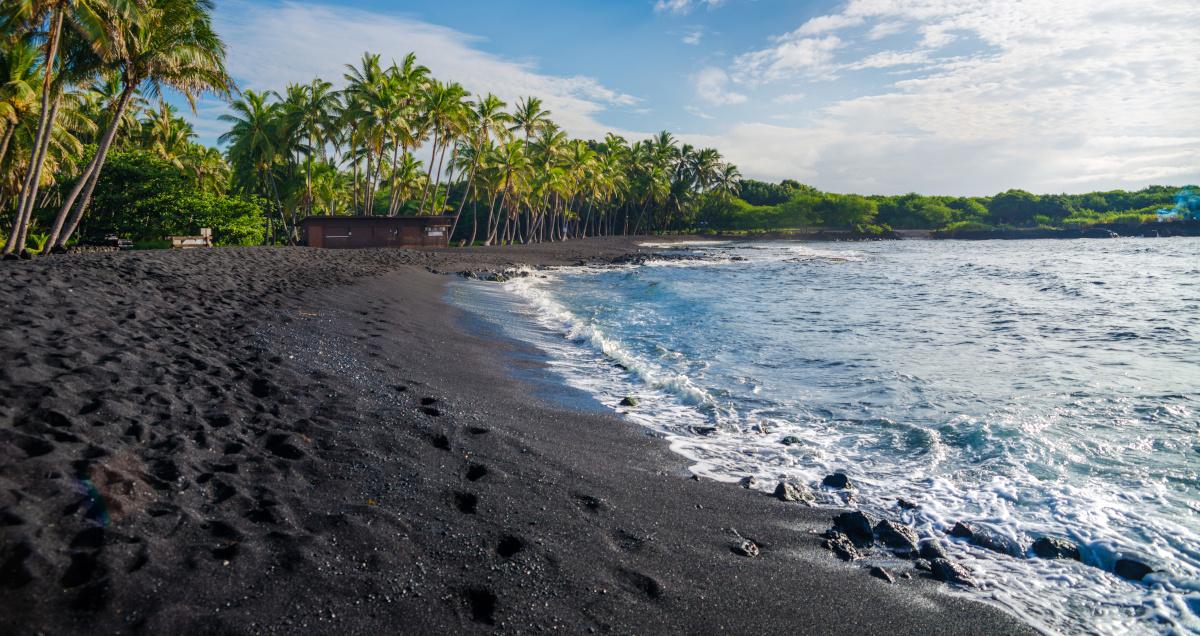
point(793, 206)
point(83, 157)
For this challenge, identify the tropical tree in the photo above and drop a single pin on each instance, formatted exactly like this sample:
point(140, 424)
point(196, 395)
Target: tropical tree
point(92, 25)
point(168, 43)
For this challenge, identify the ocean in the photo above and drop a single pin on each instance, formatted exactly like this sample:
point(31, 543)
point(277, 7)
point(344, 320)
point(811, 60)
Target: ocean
point(1032, 388)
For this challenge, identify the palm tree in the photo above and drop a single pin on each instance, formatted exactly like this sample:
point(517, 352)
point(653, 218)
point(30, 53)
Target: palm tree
point(254, 142)
point(87, 19)
point(728, 181)
point(169, 43)
point(311, 111)
point(444, 112)
point(485, 119)
point(18, 87)
point(530, 117)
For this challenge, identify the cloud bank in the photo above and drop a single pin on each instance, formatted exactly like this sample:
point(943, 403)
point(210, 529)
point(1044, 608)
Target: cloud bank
point(273, 45)
point(1048, 95)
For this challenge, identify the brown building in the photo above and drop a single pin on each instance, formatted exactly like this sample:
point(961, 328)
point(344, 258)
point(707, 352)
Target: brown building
point(377, 231)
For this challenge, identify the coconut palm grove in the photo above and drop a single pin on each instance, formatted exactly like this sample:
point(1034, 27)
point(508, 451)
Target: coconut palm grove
point(90, 150)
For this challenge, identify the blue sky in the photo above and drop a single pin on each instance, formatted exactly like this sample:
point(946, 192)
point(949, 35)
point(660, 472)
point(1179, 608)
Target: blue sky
point(873, 96)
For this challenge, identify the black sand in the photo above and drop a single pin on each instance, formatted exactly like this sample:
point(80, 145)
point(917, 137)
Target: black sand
point(272, 440)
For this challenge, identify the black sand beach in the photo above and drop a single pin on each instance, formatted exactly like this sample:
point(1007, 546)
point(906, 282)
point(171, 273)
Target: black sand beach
point(302, 441)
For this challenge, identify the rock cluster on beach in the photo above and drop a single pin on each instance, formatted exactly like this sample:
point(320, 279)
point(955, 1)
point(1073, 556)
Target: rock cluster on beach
point(856, 535)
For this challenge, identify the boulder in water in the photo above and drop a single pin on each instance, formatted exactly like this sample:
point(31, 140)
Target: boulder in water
point(951, 572)
point(837, 481)
point(962, 530)
point(1055, 548)
point(629, 400)
point(749, 482)
point(931, 549)
point(906, 504)
point(897, 536)
point(790, 440)
point(997, 542)
point(842, 546)
point(856, 525)
point(1132, 569)
point(787, 491)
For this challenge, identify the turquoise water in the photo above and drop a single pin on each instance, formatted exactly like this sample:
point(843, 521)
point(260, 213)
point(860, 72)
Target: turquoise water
point(1031, 387)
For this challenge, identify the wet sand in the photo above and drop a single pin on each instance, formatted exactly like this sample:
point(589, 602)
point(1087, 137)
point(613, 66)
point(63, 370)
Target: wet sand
point(292, 440)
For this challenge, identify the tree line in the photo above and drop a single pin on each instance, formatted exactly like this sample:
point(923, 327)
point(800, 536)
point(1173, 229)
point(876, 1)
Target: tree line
point(87, 144)
point(509, 172)
point(792, 205)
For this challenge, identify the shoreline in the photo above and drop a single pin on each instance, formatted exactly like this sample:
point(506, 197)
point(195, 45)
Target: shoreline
point(352, 457)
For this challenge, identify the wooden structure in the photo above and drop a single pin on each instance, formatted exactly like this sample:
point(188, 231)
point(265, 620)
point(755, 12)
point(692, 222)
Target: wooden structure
point(190, 242)
point(377, 231)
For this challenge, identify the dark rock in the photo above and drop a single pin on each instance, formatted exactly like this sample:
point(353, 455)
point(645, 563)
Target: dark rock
point(790, 440)
point(749, 482)
point(837, 481)
point(931, 549)
point(1132, 569)
point(855, 525)
point(629, 400)
point(897, 536)
point(922, 564)
point(996, 542)
point(747, 548)
point(842, 546)
point(951, 572)
point(787, 491)
point(906, 504)
point(703, 430)
point(1055, 548)
point(883, 574)
point(962, 530)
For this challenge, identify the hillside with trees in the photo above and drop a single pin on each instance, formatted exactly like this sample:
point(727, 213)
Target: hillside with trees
point(792, 206)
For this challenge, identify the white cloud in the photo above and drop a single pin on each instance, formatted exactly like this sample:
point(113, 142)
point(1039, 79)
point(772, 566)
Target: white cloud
point(789, 98)
point(791, 56)
point(884, 29)
point(888, 59)
point(693, 37)
point(712, 86)
point(683, 7)
point(1048, 95)
point(825, 24)
point(273, 45)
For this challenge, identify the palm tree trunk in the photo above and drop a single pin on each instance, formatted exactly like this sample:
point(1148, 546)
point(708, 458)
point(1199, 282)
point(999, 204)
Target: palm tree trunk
point(474, 222)
point(89, 177)
point(459, 213)
point(393, 195)
point(35, 182)
point(429, 174)
point(470, 178)
point(16, 238)
point(638, 227)
point(438, 177)
point(491, 233)
point(8, 135)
